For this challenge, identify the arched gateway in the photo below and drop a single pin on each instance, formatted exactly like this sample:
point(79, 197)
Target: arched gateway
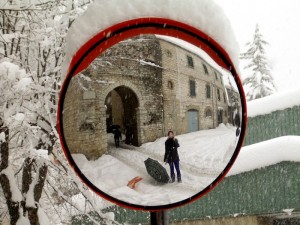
point(122, 106)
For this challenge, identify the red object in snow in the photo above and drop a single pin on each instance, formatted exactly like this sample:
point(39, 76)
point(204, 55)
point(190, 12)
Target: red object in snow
point(134, 181)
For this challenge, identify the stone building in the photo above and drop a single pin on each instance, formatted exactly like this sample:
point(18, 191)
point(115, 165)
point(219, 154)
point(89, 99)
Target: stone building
point(193, 91)
point(147, 85)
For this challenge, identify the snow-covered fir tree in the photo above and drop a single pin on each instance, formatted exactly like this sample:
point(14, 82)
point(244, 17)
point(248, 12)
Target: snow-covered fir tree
point(258, 82)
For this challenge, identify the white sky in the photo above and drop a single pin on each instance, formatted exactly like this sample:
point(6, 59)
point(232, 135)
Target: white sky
point(279, 22)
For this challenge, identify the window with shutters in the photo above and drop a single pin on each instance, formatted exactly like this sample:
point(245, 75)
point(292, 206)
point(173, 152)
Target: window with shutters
point(170, 85)
point(192, 88)
point(219, 95)
point(190, 61)
point(205, 68)
point(208, 91)
point(216, 75)
point(208, 112)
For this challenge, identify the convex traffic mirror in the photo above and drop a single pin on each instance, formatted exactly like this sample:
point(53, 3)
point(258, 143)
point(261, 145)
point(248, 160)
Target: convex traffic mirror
point(155, 120)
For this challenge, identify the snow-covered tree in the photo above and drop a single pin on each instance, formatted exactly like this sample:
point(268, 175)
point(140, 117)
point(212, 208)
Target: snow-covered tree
point(35, 179)
point(258, 81)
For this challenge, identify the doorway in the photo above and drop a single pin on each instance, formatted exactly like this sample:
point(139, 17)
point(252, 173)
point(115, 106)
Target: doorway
point(121, 110)
point(193, 120)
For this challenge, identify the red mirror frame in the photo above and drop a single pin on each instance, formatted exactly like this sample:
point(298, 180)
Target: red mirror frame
point(116, 33)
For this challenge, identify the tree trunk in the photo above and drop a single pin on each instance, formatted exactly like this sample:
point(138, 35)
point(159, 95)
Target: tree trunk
point(41, 173)
point(13, 207)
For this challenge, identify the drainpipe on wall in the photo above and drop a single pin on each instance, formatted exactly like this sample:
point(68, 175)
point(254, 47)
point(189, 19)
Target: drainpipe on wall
point(212, 103)
point(179, 88)
point(216, 99)
point(163, 116)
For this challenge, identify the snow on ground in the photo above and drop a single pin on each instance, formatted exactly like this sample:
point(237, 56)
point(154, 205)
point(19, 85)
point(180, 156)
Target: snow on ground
point(202, 14)
point(266, 153)
point(269, 104)
point(203, 155)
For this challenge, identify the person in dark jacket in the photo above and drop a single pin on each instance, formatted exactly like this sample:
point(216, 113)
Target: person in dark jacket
point(128, 135)
point(237, 120)
point(117, 137)
point(171, 156)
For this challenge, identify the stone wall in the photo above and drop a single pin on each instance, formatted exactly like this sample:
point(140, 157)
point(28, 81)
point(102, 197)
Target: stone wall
point(131, 64)
point(81, 120)
point(177, 99)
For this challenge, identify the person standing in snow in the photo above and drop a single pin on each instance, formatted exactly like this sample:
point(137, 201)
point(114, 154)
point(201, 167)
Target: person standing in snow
point(128, 135)
point(171, 156)
point(117, 137)
point(237, 122)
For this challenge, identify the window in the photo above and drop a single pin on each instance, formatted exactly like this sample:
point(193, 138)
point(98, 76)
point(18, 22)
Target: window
point(208, 113)
point(219, 95)
point(216, 75)
point(192, 88)
point(170, 85)
point(220, 116)
point(224, 97)
point(207, 87)
point(205, 68)
point(190, 61)
point(168, 53)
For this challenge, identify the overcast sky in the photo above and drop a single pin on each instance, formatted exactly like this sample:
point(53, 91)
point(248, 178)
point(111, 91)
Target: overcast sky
point(279, 22)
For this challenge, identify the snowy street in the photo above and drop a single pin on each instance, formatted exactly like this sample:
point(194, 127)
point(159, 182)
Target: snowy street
point(203, 155)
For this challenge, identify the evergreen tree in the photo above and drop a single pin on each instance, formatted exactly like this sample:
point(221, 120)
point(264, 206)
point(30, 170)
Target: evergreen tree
point(259, 82)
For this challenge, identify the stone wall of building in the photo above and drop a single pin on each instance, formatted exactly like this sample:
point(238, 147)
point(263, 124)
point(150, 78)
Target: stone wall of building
point(177, 74)
point(81, 120)
point(135, 65)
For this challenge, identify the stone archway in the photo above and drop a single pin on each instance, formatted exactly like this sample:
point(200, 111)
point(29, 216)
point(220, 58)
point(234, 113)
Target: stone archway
point(138, 113)
point(122, 106)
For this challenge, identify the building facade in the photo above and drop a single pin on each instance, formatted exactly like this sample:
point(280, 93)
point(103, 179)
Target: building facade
point(193, 91)
point(146, 85)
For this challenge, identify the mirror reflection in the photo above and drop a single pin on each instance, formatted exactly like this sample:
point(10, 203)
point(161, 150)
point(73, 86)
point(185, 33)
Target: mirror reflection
point(153, 120)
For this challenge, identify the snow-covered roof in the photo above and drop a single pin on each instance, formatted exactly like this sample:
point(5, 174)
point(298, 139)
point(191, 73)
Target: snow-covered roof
point(226, 75)
point(266, 153)
point(202, 14)
point(269, 104)
point(193, 49)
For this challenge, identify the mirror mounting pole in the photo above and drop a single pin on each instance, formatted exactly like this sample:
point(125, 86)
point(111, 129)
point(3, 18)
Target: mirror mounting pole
point(159, 218)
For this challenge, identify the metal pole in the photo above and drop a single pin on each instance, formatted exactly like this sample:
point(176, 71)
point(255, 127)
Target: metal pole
point(159, 218)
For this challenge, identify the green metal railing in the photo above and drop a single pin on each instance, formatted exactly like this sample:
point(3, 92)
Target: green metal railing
point(258, 192)
point(276, 124)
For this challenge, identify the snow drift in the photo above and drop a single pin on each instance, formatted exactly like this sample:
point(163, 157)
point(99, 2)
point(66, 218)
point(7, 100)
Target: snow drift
point(203, 156)
point(266, 153)
point(269, 104)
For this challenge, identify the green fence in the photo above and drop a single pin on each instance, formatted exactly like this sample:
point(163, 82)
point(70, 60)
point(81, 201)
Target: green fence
point(258, 192)
point(261, 191)
point(276, 124)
